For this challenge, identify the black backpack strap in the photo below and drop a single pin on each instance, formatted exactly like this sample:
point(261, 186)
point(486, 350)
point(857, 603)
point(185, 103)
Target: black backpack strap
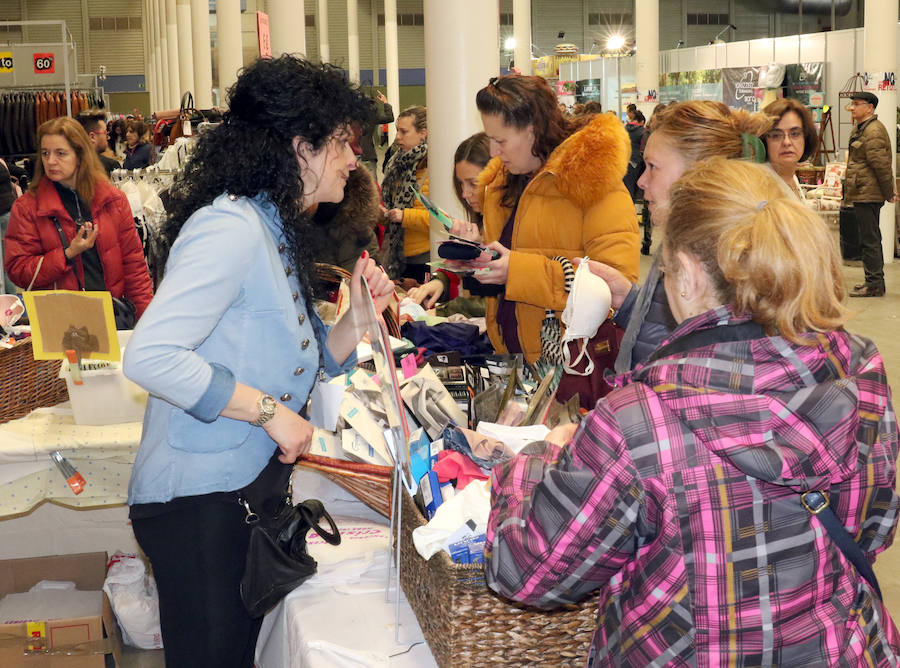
point(745, 331)
point(818, 504)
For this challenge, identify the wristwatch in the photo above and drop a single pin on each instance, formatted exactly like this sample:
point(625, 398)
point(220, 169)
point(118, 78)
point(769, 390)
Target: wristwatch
point(267, 406)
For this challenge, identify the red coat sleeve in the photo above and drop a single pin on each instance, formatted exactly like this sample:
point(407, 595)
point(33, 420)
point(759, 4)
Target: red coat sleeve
point(23, 248)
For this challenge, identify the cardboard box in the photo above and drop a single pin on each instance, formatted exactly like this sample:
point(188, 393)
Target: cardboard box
point(91, 637)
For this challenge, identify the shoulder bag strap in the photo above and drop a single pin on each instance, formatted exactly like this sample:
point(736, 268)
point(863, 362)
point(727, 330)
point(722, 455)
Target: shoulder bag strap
point(818, 504)
point(65, 245)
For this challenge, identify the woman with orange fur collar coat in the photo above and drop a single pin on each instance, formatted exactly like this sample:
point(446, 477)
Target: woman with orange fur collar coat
point(547, 192)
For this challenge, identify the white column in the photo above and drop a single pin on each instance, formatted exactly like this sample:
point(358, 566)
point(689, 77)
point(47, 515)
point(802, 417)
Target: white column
point(392, 61)
point(149, 73)
point(322, 29)
point(353, 39)
point(880, 55)
point(166, 89)
point(647, 55)
point(287, 26)
point(172, 37)
point(229, 46)
point(522, 35)
point(158, 80)
point(469, 29)
point(185, 54)
point(200, 46)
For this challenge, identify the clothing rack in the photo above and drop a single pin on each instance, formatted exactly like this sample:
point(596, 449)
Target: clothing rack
point(145, 189)
point(24, 108)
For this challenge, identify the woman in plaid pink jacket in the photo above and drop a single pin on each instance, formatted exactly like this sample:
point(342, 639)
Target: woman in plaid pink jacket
point(678, 499)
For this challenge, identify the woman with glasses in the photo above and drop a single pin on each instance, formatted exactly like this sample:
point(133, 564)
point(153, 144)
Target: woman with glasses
point(791, 140)
point(547, 192)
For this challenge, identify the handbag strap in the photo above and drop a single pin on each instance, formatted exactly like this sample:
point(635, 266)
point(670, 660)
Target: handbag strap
point(818, 504)
point(65, 245)
point(36, 271)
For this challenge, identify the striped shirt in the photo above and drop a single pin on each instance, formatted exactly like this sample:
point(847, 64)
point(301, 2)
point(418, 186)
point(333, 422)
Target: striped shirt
point(678, 503)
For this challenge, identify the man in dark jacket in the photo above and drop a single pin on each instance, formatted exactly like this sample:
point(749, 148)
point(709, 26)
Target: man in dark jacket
point(868, 184)
point(94, 123)
point(367, 142)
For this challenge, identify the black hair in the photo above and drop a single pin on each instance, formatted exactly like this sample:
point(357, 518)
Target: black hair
point(251, 152)
point(90, 119)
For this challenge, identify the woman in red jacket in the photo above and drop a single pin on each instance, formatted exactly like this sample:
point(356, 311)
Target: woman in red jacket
point(74, 230)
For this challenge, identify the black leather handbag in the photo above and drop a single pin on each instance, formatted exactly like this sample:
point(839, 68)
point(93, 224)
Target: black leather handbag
point(277, 558)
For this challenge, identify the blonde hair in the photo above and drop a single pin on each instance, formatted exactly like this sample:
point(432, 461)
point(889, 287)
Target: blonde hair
point(89, 169)
point(766, 254)
point(702, 128)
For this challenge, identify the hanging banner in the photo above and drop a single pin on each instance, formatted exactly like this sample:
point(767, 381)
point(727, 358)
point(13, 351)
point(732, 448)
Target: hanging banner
point(803, 79)
point(739, 86)
point(262, 33)
point(696, 85)
point(588, 90)
point(6, 61)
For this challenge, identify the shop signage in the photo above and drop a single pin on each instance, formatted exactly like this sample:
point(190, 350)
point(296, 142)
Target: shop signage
point(44, 63)
point(6, 61)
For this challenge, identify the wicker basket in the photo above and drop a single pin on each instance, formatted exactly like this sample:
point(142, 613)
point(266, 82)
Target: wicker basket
point(371, 484)
point(27, 383)
point(331, 274)
point(466, 624)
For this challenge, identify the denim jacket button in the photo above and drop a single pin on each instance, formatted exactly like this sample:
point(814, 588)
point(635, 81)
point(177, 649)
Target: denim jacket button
point(301, 318)
point(286, 397)
point(299, 370)
point(296, 296)
point(305, 344)
point(288, 271)
point(281, 247)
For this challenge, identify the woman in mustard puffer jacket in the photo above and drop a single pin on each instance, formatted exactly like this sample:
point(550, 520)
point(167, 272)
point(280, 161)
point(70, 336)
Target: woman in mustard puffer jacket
point(547, 192)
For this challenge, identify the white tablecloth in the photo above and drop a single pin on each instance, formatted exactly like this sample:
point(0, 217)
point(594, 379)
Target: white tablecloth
point(339, 617)
point(103, 455)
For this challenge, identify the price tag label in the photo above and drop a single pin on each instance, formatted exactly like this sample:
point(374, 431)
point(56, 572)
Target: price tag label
point(6, 61)
point(44, 63)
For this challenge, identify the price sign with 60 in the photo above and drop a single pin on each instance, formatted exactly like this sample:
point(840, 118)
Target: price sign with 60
point(44, 63)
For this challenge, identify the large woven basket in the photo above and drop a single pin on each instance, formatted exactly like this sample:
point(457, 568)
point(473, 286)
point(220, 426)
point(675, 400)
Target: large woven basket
point(27, 383)
point(369, 483)
point(466, 624)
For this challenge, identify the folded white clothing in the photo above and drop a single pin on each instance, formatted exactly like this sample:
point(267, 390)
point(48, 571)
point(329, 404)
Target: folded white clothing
point(472, 503)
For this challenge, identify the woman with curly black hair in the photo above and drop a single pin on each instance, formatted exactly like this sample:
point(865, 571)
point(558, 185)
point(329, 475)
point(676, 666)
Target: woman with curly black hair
point(231, 347)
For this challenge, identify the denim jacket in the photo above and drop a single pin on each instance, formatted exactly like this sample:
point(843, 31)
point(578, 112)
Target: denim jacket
point(229, 309)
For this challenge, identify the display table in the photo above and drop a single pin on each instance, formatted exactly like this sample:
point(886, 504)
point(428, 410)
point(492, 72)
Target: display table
point(102, 454)
point(96, 519)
